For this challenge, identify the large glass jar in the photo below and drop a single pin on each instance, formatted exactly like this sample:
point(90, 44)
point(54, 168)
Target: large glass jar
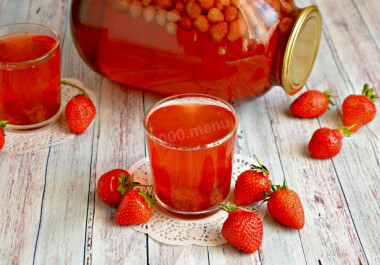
point(232, 49)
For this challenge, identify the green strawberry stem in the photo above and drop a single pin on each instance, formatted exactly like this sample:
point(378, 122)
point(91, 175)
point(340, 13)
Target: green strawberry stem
point(137, 184)
point(329, 96)
point(368, 92)
point(228, 208)
point(124, 180)
point(274, 188)
point(126, 184)
point(259, 169)
point(3, 124)
point(148, 197)
point(346, 130)
point(73, 85)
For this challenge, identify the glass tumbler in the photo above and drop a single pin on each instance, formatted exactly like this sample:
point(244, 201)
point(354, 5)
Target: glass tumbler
point(191, 141)
point(30, 88)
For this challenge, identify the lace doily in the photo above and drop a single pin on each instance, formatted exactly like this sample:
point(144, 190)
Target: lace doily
point(203, 232)
point(18, 142)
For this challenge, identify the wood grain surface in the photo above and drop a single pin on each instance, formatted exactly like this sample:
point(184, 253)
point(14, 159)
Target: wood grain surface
point(50, 213)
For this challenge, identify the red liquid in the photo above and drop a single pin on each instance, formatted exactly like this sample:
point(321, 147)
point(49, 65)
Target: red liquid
point(30, 92)
point(144, 55)
point(191, 180)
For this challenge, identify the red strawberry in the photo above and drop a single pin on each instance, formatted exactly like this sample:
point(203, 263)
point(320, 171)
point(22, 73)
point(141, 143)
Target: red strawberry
point(113, 185)
point(326, 143)
point(251, 185)
point(2, 134)
point(135, 208)
point(285, 206)
point(359, 109)
point(242, 229)
point(79, 111)
point(311, 104)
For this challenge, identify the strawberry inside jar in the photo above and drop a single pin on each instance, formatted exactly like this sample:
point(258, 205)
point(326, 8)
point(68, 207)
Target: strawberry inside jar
point(228, 48)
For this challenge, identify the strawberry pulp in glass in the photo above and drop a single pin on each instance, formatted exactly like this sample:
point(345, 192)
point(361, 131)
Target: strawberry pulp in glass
point(29, 75)
point(191, 141)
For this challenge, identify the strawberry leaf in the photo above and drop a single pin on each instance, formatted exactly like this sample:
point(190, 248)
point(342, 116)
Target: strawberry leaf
point(260, 168)
point(3, 124)
point(346, 130)
point(148, 197)
point(368, 92)
point(125, 182)
point(274, 189)
point(228, 208)
point(329, 96)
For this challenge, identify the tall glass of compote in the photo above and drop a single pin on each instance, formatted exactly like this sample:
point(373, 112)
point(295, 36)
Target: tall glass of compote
point(191, 141)
point(30, 89)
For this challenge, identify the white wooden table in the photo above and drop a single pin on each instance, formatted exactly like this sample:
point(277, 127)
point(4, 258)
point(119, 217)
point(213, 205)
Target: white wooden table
point(50, 213)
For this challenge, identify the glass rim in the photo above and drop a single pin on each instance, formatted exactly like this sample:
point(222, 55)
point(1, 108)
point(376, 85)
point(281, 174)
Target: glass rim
point(197, 147)
point(15, 65)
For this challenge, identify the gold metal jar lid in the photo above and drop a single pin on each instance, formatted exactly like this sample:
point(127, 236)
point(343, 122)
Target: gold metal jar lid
point(301, 50)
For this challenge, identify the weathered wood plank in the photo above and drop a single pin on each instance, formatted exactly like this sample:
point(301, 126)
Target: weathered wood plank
point(69, 172)
point(49, 13)
point(329, 236)
point(9, 8)
point(256, 136)
point(227, 254)
point(167, 254)
point(32, 221)
point(369, 11)
point(341, 226)
point(355, 48)
point(22, 179)
point(65, 202)
point(121, 143)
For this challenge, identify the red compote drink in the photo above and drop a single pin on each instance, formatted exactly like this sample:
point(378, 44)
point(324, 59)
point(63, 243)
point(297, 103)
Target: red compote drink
point(191, 140)
point(29, 76)
point(230, 49)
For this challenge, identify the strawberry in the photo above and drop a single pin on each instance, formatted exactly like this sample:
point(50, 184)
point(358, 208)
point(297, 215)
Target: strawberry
point(2, 134)
point(135, 208)
point(113, 185)
point(79, 111)
point(326, 143)
point(311, 104)
point(359, 109)
point(251, 185)
point(242, 229)
point(285, 206)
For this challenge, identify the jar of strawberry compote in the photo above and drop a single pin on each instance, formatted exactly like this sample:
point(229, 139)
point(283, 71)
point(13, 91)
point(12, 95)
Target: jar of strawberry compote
point(231, 49)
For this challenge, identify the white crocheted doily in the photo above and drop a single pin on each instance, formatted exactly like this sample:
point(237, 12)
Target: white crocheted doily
point(17, 142)
point(202, 232)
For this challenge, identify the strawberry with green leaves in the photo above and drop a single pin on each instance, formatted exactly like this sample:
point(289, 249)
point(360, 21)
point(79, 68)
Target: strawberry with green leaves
point(135, 208)
point(242, 229)
point(285, 206)
point(251, 185)
point(113, 185)
point(2, 134)
point(359, 109)
point(327, 143)
point(311, 104)
point(79, 111)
